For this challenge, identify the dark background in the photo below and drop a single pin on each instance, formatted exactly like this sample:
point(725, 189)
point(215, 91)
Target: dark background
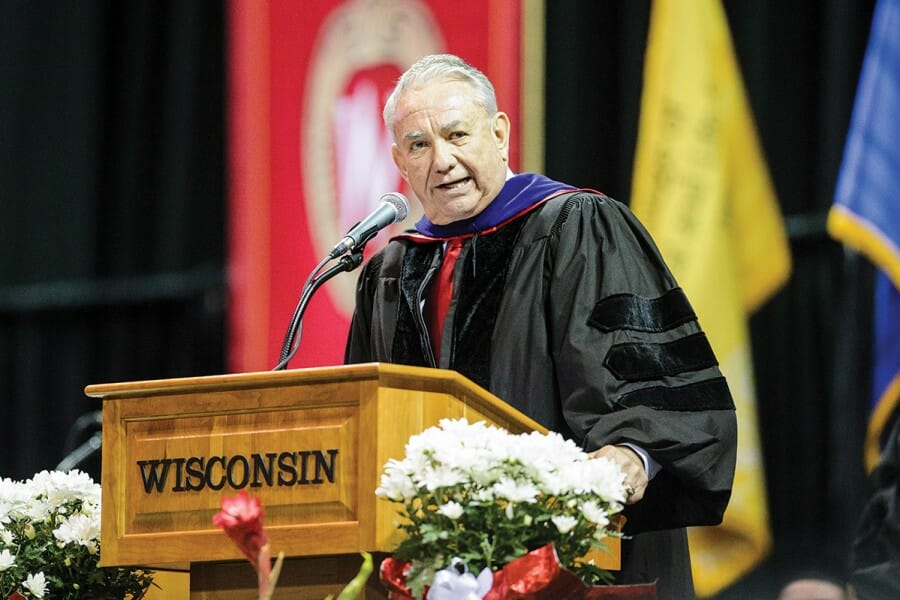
point(113, 198)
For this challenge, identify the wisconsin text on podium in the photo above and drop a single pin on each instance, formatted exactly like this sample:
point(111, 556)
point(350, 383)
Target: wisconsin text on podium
point(195, 473)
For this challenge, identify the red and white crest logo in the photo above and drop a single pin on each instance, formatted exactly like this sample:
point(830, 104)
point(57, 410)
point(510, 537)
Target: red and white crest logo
point(362, 49)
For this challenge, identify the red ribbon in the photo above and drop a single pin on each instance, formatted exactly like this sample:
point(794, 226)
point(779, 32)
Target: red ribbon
point(536, 576)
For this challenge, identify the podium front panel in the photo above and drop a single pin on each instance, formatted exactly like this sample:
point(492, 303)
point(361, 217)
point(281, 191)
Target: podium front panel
point(310, 443)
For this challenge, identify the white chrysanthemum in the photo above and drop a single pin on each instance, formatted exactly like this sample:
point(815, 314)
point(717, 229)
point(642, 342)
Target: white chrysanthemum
point(594, 513)
point(440, 477)
point(7, 559)
point(38, 511)
point(396, 483)
point(483, 495)
point(605, 479)
point(453, 510)
point(64, 487)
point(15, 498)
point(8, 489)
point(39, 485)
point(7, 485)
point(479, 465)
point(553, 483)
point(414, 462)
point(6, 536)
point(564, 523)
point(516, 491)
point(79, 529)
point(458, 444)
point(469, 457)
point(547, 451)
point(486, 476)
point(36, 584)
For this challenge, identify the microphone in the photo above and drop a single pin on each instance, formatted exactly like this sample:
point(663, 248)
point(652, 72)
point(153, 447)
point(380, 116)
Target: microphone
point(393, 209)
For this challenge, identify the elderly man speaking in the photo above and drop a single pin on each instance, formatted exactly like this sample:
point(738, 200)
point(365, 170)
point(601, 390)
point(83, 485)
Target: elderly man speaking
point(557, 301)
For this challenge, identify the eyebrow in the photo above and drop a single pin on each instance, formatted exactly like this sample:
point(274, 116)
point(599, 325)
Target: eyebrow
point(451, 126)
point(411, 135)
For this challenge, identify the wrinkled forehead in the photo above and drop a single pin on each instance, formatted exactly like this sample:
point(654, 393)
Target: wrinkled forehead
point(437, 101)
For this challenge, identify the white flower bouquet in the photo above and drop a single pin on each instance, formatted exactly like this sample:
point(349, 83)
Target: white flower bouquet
point(50, 541)
point(478, 495)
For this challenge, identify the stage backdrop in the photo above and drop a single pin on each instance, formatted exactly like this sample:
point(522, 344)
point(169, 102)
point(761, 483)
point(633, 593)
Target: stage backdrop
point(310, 156)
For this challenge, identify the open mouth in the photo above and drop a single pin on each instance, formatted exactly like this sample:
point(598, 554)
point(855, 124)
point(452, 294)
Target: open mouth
point(452, 185)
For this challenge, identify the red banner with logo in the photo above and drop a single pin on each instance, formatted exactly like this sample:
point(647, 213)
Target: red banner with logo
point(309, 155)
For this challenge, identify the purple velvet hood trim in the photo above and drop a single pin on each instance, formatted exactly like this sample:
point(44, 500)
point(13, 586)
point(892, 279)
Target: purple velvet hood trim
point(518, 194)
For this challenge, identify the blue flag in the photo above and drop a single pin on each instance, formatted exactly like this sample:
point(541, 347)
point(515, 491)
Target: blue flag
point(866, 210)
point(886, 375)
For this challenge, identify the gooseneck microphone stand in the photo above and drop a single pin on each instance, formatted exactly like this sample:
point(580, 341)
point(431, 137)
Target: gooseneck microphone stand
point(291, 343)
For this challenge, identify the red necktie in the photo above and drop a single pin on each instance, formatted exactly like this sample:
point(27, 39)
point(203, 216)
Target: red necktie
point(439, 295)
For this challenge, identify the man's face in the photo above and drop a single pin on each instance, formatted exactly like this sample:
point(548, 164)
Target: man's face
point(449, 150)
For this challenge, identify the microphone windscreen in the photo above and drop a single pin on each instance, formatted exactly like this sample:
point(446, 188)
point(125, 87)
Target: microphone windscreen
point(399, 202)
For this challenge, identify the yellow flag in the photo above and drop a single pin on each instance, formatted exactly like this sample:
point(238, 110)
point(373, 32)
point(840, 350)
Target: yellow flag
point(702, 189)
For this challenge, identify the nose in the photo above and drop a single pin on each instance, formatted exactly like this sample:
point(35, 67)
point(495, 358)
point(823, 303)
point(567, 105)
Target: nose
point(444, 156)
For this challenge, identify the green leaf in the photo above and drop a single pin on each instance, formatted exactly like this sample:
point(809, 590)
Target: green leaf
point(356, 585)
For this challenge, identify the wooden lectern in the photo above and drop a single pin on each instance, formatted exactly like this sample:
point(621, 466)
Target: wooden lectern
point(311, 443)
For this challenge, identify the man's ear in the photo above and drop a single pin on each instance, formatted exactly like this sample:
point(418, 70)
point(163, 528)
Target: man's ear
point(500, 129)
point(398, 160)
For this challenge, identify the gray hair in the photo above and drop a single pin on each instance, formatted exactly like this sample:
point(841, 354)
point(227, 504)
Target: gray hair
point(441, 67)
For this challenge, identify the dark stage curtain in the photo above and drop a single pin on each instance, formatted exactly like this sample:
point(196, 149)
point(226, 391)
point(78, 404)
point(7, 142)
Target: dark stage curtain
point(112, 212)
point(111, 185)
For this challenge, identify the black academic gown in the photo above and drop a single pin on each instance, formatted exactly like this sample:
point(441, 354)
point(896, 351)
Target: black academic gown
point(569, 314)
